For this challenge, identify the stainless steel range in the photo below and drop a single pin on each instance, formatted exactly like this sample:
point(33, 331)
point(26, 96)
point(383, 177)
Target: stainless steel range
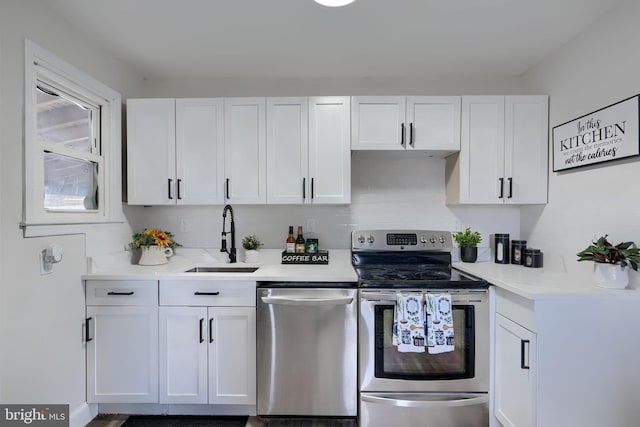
point(415, 384)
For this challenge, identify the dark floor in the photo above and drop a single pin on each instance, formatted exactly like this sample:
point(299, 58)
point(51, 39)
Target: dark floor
point(118, 420)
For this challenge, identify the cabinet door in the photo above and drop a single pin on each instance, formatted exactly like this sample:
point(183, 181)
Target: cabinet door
point(199, 151)
point(515, 374)
point(232, 355)
point(526, 149)
point(287, 150)
point(434, 123)
point(329, 149)
point(122, 354)
point(378, 123)
point(245, 150)
point(482, 150)
point(151, 152)
point(183, 354)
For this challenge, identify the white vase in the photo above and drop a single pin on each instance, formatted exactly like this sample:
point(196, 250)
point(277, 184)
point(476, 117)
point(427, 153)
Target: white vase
point(251, 256)
point(155, 255)
point(611, 276)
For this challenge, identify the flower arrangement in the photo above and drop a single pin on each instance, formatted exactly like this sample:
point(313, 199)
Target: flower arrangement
point(467, 238)
point(154, 237)
point(602, 251)
point(251, 243)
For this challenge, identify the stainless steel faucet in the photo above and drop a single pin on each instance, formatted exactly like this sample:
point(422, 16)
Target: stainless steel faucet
point(223, 247)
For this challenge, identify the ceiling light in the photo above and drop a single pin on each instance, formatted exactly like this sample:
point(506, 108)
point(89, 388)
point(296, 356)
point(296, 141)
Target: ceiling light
point(334, 3)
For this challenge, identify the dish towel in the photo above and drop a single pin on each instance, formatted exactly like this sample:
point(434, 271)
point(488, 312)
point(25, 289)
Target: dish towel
point(408, 323)
point(440, 337)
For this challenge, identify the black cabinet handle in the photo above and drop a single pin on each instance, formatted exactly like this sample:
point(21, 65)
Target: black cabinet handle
point(523, 344)
point(411, 134)
point(226, 194)
point(169, 181)
point(87, 335)
point(402, 134)
point(501, 196)
point(312, 187)
point(510, 188)
point(206, 293)
point(304, 188)
point(120, 293)
point(201, 328)
point(211, 330)
point(178, 188)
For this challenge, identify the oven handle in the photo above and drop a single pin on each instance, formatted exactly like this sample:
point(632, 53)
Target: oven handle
point(375, 296)
point(307, 301)
point(419, 403)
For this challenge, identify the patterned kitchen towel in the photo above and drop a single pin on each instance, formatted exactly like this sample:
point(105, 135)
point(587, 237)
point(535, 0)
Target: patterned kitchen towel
point(408, 323)
point(440, 337)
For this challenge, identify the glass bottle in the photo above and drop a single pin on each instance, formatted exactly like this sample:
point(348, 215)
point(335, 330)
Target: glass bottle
point(300, 241)
point(291, 241)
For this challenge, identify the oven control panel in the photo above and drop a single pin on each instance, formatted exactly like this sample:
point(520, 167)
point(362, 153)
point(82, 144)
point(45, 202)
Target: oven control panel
point(402, 240)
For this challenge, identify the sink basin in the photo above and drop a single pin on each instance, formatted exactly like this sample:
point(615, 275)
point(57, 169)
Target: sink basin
point(222, 270)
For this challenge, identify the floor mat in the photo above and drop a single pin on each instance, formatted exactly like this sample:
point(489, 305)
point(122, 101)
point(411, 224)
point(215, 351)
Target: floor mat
point(302, 422)
point(184, 421)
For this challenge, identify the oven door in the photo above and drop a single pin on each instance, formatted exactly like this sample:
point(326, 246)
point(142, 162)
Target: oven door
point(384, 369)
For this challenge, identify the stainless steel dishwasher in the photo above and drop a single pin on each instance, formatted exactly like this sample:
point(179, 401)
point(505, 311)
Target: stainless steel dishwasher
point(307, 349)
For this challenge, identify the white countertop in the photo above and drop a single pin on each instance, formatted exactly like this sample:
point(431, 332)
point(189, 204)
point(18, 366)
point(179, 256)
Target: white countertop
point(540, 283)
point(119, 267)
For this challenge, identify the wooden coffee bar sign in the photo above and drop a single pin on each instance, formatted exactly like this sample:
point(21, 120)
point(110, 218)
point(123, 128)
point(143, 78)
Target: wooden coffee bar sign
point(610, 133)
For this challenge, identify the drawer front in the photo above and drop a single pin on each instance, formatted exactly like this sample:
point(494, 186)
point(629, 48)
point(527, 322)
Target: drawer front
point(208, 293)
point(122, 292)
point(516, 308)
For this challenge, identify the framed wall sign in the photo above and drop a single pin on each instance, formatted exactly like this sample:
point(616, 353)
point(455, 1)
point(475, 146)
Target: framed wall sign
point(610, 133)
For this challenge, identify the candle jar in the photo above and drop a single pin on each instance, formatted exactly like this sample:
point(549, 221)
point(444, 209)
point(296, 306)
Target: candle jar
point(533, 258)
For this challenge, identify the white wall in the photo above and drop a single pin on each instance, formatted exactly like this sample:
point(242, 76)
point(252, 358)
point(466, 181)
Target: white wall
point(41, 317)
point(598, 68)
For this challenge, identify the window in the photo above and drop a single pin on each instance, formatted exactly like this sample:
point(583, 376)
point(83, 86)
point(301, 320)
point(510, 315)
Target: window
point(72, 148)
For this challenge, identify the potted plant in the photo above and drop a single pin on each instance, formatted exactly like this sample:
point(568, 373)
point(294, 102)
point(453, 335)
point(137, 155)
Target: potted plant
point(468, 242)
point(611, 261)
point(251, 244)
point(156, 246)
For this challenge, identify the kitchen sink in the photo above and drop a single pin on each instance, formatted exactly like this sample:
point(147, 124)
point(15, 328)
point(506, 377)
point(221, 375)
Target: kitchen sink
point(222, 270)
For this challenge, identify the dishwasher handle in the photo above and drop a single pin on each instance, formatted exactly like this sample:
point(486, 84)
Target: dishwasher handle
point(307, 301)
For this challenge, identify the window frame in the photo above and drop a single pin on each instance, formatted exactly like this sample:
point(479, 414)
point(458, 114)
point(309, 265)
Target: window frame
point(41, 65)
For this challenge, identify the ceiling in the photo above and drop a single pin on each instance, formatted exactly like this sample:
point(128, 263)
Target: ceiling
point(190, 39)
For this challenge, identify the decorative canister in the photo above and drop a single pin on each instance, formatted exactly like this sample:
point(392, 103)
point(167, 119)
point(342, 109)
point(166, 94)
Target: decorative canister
point(533, 258)
point(517, 251)
point(501, 248)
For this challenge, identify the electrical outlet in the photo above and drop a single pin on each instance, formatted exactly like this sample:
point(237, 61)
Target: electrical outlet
point(185, 225)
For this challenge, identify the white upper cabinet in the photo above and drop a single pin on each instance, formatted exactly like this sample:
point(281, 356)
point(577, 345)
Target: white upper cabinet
point(329, 149)
point(287, 150)
point(526, 149)
point(245, 150)
point(503, 152)
point(199, 151)
point(175, 153)
point(308, 158)
point(151, 136)
point(425, 123)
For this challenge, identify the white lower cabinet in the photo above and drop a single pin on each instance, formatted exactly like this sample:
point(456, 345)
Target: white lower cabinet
point(122, 341)
point(207, 353)
point(515, 374)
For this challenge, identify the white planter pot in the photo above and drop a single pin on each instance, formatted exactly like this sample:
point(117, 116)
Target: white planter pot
point(155, 255)
point(251, 256)
point(611, 276)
